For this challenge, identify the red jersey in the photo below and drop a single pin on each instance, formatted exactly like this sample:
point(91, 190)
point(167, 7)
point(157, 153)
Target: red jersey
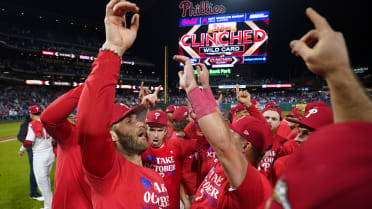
point(197, 166)
point(266, 164)
point(283, 155)
point(128, 185)
point(70, 187)
point(168, 162)
point(170, 131)
point(216, 192)
point(284, 130)
point(293, 135)
point(115, 182)
point(209, 160)
point(279, 166)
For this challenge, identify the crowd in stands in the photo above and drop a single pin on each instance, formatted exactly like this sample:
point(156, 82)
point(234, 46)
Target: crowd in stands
point(14, 101)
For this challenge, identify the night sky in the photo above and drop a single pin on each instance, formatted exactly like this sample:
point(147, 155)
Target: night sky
point(160, 18)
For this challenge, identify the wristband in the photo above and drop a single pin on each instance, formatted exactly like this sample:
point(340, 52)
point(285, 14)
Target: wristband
point(111, 50)
point(209, 95)
point(22, 149)
point(200, 104)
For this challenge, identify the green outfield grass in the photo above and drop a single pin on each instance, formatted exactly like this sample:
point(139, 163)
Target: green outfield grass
point(14, 173)
point(9, 129)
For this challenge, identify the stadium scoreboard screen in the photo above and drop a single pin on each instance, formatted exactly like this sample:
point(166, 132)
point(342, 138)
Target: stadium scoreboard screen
point(225, 40)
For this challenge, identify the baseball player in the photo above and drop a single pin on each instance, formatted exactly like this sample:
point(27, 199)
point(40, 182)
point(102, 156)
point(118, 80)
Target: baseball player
point(112, 136)
point(235, 182)
point(21, 136)
point(70, 187)
point(42, 148)
point(166, 156)
point(342, 146)
point(314, 119)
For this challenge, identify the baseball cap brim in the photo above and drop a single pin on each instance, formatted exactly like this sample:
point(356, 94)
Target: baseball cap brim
point(302, 123)
point(139, 110)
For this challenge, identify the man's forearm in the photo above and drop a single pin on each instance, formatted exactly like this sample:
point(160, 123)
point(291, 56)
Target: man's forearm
point(94, 114)
point(349, 100)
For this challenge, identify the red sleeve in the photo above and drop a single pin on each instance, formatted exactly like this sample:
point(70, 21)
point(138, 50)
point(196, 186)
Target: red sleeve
point(190, 130)
point(187, 146)
point(54, 118)
point(254, 186)
point(94, 114)
point(279, 165)
point(253, 111)
point(284, 130)
point(292, 135)
point(27, 143)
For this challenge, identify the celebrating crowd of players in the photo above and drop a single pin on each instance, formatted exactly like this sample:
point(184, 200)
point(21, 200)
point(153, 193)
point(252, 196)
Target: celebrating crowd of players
point(197, 156)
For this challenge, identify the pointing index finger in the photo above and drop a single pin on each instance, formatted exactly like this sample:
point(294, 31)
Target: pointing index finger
point(157, 89)
point(319, 21)
point(237, 88)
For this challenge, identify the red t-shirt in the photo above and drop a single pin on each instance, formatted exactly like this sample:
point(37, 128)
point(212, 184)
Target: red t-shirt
point(292, 135)
point(189, 175)
point(170, 131)
point(115, 182)
point(209, 160)
point(216, 192)
point(266, 164)
point(71, 189)
point(280, 165)
point(197, 165)
point(128, 185)
point(167, 161)
point(284, 130)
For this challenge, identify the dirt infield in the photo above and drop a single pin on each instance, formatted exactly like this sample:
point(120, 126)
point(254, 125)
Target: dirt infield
point(7, 138)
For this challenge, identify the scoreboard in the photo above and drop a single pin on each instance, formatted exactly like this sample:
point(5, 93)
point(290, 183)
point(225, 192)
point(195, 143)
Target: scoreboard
point(225, 40)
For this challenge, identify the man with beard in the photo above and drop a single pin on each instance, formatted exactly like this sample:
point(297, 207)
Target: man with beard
point(112, 135)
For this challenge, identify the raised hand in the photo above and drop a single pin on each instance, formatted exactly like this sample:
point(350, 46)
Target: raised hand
point(187, 78)
point(243, 97)
point(219, 100)
point(323, 50)
point(143, 92)
point(203, 75)
point(150, 100)
point(118, 36)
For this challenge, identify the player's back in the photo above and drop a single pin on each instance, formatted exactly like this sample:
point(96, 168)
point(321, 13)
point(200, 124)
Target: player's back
point(42, 142)
point(71, 188)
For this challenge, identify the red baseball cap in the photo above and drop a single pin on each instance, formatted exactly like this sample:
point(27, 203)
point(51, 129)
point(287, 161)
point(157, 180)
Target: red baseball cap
point(316, 117)
point(311, 105)
point(254, 102)
point(254, 131)
point(295, 113)
point(271, 105)
point(158, 117)
point(273, 108)
point(34, 109)
point(121, 110)
point(239, 108)
point(233, 110)
point(170, 109)
point(180, 113)
point(334, 165)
